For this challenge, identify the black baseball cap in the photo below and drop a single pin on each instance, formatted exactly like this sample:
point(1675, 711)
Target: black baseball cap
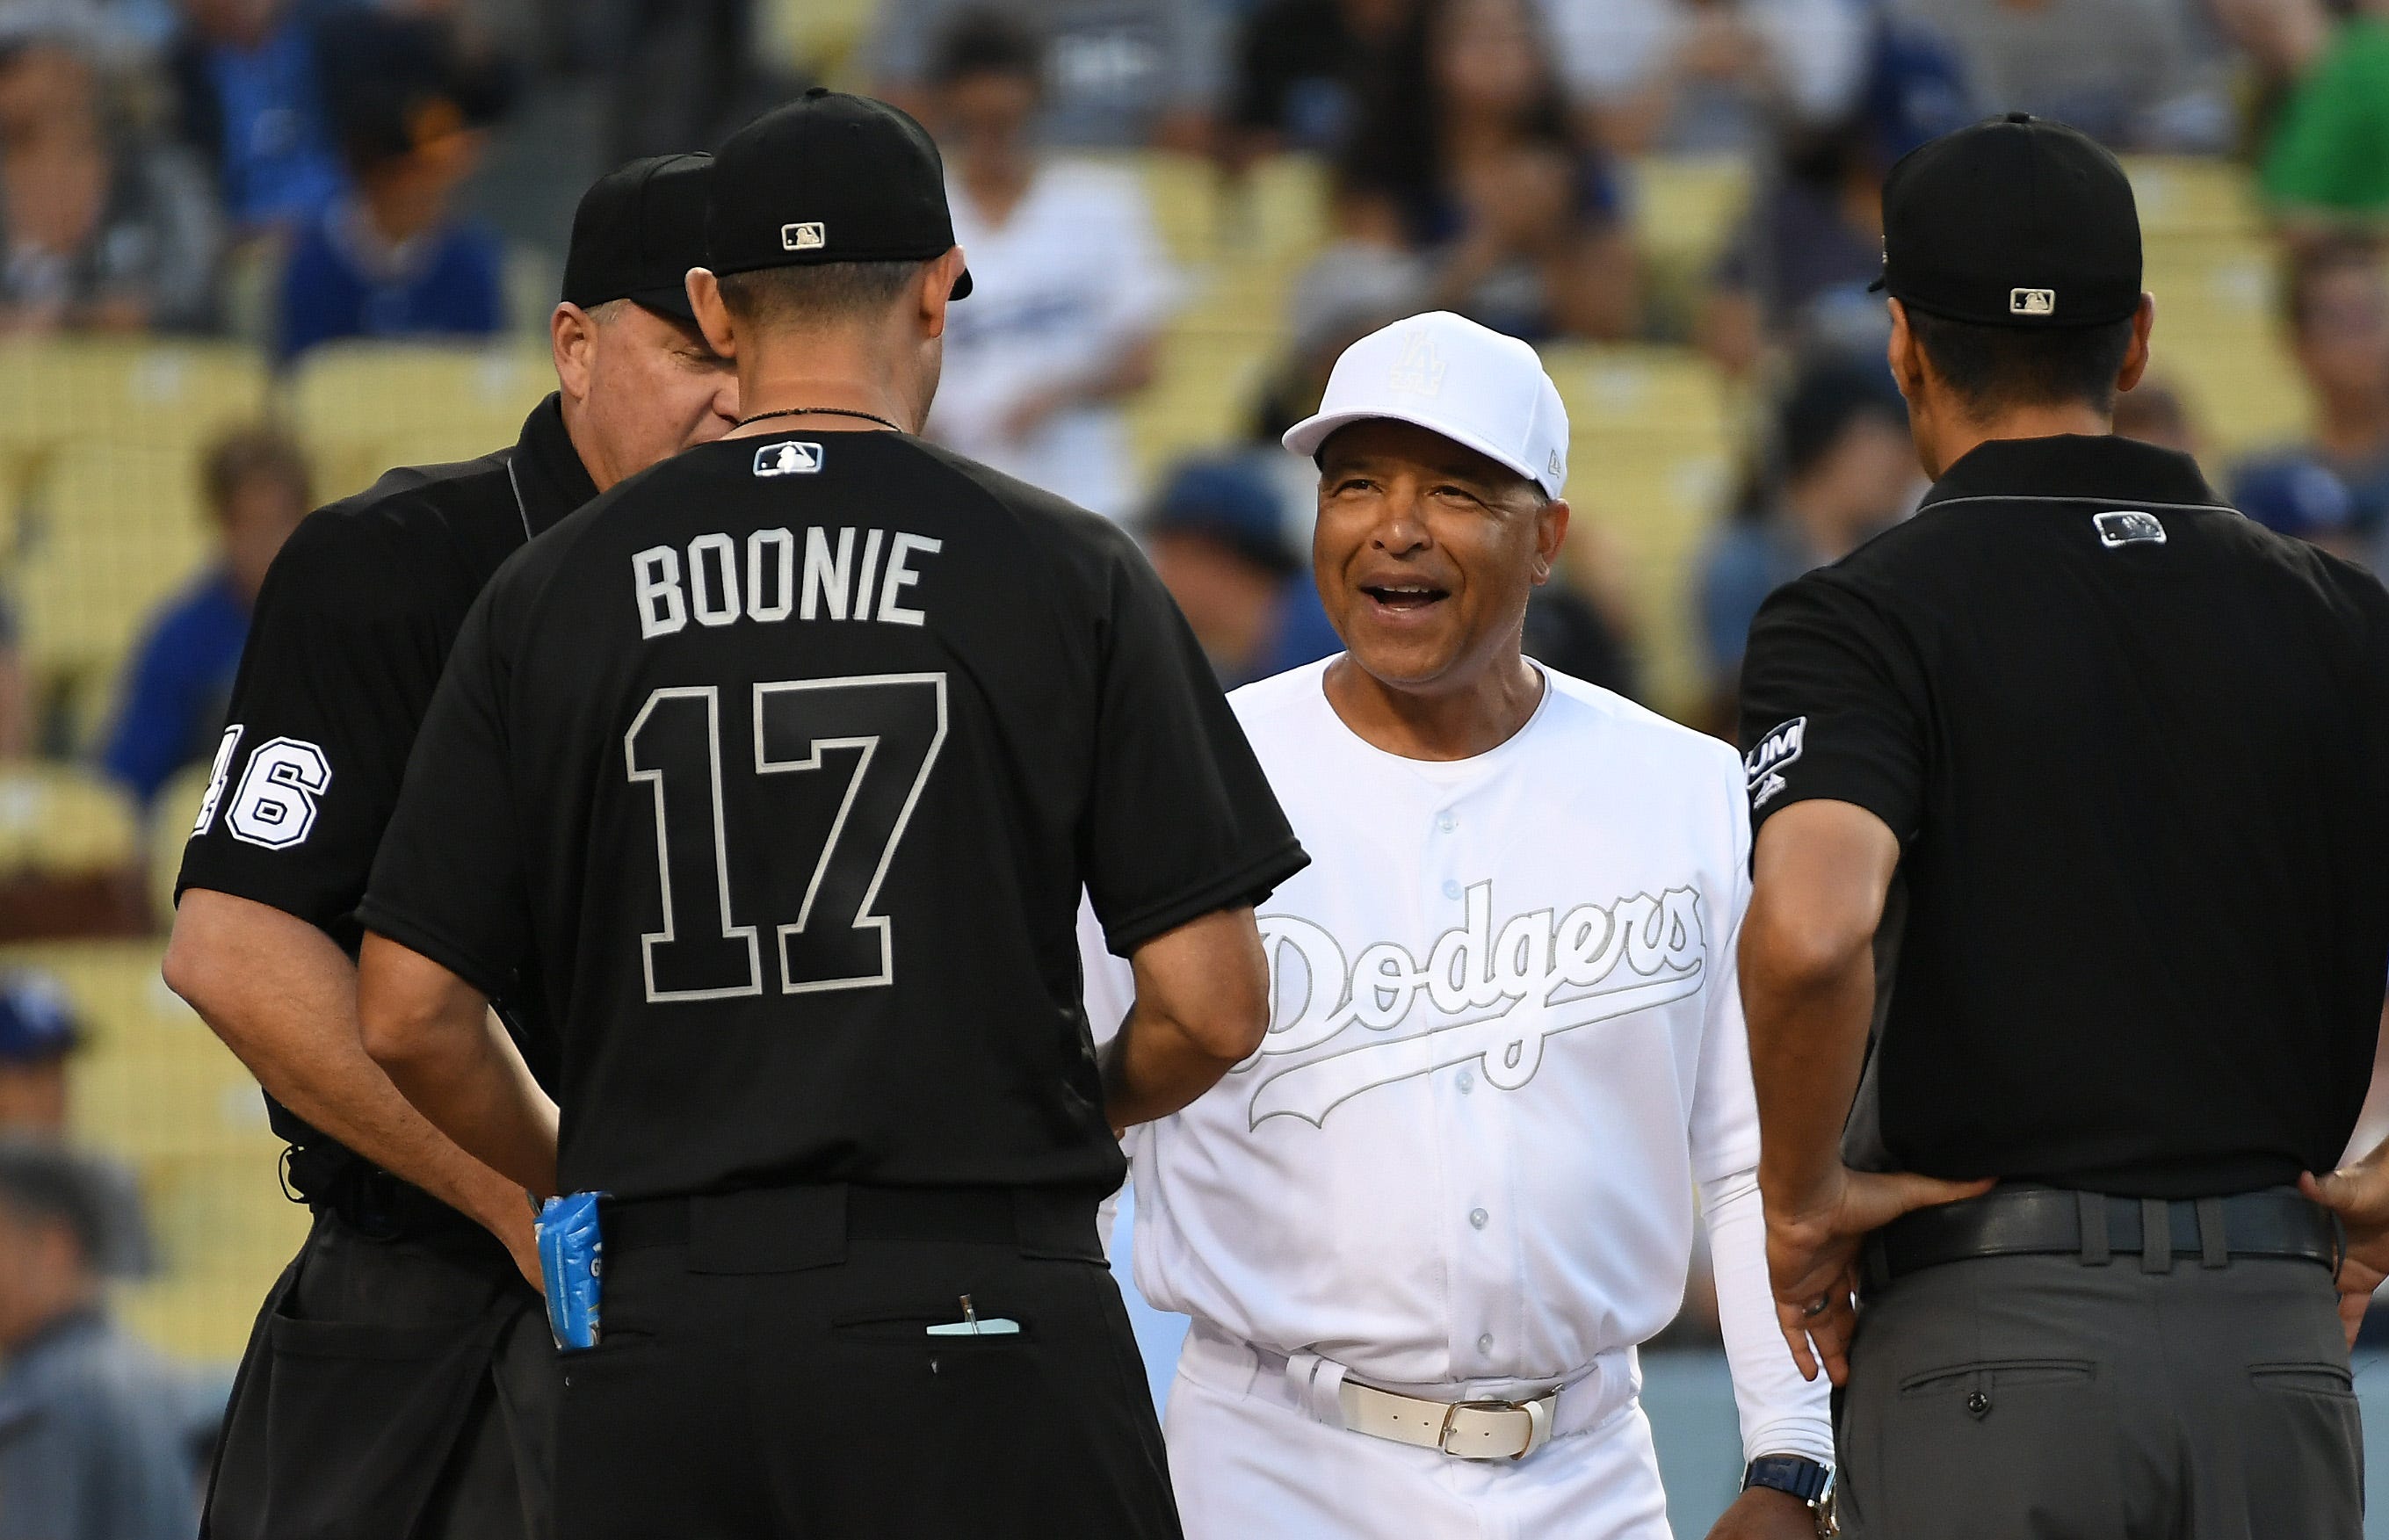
point(829, 178)
point(2014, 221)
point(637, 233)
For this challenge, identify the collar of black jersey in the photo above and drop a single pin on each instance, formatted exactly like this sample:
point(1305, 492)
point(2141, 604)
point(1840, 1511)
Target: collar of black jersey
point(2101, 468)
point(550, 480)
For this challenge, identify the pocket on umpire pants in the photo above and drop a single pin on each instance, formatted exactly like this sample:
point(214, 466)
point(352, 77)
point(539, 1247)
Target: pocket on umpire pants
point(2305, 1446)
point(360, 1420)
point(1998, 1449)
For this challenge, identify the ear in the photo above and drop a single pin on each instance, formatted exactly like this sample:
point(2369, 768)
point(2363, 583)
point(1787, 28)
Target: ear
point(572, 338)
point(712, 315)
point(2136, 358)
point(1550, 533)
point(937, 288)
point(1905, 358)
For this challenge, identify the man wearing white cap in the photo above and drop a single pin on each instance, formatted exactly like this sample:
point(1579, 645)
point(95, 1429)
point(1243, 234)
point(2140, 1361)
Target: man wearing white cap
point(1422, 1231)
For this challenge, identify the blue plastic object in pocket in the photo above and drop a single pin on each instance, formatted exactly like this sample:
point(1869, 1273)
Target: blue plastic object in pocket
point(571, 1253)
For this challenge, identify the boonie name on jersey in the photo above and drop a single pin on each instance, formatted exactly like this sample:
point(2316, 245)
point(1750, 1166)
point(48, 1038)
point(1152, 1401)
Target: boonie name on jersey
point(844, 575)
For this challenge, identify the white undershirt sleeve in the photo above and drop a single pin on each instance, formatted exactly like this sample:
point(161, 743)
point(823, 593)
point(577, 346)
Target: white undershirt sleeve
point(1781, 1413)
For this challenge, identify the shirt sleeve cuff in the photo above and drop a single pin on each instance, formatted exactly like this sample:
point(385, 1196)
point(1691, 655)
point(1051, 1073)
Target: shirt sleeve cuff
point(1247, 884)
point(429, 941)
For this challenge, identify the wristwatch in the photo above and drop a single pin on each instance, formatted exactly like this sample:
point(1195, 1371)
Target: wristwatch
point(1798, 1476)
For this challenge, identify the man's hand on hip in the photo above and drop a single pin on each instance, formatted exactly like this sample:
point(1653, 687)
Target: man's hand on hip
point(1812, 1255)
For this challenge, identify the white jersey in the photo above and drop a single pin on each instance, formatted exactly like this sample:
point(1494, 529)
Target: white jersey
point(1076, 274)
point(1505, 1046)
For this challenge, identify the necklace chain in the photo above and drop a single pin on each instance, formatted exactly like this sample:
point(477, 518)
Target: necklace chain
point(818, 411)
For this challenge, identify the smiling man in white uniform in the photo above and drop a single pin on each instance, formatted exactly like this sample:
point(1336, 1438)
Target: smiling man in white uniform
point(1422, 1232)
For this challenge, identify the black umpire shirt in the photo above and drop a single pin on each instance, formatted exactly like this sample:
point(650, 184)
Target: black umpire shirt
point(2131, 743)
point(352, 628)
point(787, 761)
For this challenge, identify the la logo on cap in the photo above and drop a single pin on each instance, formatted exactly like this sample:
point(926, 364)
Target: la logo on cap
point(1419, 371)
point(809, 236)
point(2032, 302)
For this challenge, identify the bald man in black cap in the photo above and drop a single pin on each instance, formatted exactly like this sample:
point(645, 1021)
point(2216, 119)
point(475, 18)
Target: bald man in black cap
point(2064, 958)
point(401, 1382)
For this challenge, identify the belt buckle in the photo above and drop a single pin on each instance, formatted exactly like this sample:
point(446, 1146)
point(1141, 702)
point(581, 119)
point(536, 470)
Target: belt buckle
point(1538, 1426)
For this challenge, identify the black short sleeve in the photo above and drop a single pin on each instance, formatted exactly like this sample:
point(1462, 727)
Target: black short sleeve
point(341, 661)
point(1834, 705)
point(448, 883)
point(1180, 820)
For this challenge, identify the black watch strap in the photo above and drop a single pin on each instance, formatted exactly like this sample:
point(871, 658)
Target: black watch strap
point(1795, 1474)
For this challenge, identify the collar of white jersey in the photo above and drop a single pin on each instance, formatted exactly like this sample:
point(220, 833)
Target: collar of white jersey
point(1444, 772)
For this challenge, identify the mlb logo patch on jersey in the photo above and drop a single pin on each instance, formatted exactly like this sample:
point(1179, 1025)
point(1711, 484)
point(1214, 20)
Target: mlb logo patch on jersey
point(788, 458)
point(812, 236)
point(2128, 527)
point(1763, 764)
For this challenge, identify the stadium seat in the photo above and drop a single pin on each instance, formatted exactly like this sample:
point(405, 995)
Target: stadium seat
point(363, 407)
point(2182, 195)
point(156, 1089)
point(2219, 340)
point(1683, 207)
point(134, 391)
point(57, 820)
point(113, 527)
point(1651, 447)
point(172, 813)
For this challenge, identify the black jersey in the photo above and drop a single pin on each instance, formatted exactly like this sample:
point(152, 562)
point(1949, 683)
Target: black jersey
point(352, 628)
point(783, 765)
point(2131, 743)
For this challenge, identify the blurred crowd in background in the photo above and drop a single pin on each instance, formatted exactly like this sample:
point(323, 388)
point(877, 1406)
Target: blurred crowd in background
point(293, 178)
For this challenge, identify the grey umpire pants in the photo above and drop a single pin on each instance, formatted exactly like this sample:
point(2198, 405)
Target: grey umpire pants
point(2049, 1398)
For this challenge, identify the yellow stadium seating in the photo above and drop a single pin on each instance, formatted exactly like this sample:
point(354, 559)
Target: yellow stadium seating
point(155, 1089)
point(172, 813)
point(1651, 447)
point(817, 35)
point(1684, 206)
point(114, 527)
point(57, 820)
point(129, 391)
point(361, 408)
point(2219, 340)
point(2182, 195)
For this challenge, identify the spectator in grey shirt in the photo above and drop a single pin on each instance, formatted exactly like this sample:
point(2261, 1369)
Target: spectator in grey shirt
point(1120, 73)
point(94, 1438)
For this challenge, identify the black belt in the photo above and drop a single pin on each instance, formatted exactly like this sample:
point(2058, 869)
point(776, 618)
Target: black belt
point(771, 1229)
point(2044, 1221)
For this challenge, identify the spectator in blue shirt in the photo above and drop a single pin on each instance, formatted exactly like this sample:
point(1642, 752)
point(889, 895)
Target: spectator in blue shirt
point(393, 259)
point(94, 1435)
point(1218, 538)
point(173, 704)
point(1840, 470)
point(250, 78)
point(2333, 487)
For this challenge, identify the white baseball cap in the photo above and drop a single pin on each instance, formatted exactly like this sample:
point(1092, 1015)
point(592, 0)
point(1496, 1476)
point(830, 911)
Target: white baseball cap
point(1450, 375)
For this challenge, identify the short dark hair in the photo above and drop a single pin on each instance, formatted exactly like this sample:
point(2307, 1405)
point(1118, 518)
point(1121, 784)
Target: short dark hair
point(2003, 366)
point(46, 1185)
point(245, 454)
point(2308, 269)
point(818, 292)
point(985, 41)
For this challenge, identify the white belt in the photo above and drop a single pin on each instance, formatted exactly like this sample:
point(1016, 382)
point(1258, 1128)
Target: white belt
point(1465, 1427)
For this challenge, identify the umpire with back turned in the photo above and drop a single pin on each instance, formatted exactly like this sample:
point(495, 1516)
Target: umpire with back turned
point(2069, 787)
point(776, 773)
point(399, 1382)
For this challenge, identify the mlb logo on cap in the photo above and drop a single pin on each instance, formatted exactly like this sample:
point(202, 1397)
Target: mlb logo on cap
point(2032, 302)
point(804, 238)
point(787, 458)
